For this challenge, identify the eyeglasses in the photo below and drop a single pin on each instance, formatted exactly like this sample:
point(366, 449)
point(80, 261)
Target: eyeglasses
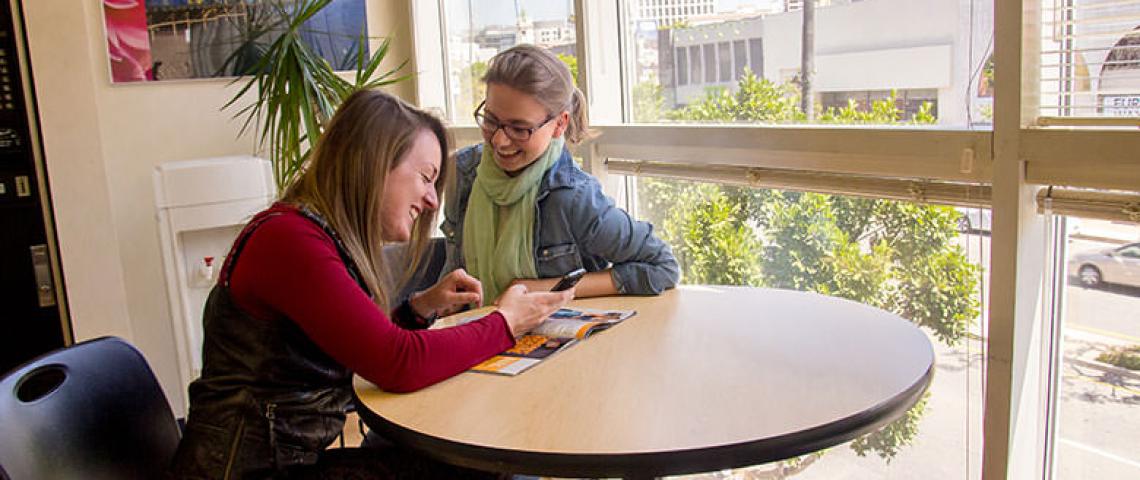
point(490, 125)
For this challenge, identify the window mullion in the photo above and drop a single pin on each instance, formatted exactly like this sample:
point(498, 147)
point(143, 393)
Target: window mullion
point(600, 76)
point(1015, 378)
point(430, 54)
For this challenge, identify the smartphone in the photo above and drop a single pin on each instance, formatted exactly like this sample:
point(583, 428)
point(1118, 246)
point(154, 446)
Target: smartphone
point(569, 280)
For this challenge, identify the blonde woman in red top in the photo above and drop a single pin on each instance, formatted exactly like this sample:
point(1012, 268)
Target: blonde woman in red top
point(300, 307)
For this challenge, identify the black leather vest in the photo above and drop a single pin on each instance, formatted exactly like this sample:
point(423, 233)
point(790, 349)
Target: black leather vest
point(268, 397)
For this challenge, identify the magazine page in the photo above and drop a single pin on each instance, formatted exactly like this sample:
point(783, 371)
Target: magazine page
point(561, 330)
point(580, 323)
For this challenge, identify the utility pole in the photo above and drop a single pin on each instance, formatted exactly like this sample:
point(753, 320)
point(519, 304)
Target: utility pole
point(807, 60)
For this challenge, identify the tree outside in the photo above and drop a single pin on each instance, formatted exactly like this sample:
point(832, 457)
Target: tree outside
point(895, 255)
point(571, 62)
point(472, 90)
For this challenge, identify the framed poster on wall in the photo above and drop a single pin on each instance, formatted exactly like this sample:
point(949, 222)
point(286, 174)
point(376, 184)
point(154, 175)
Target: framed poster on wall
point(151, 40)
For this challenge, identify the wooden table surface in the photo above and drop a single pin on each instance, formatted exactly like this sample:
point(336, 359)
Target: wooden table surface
point(701, 379)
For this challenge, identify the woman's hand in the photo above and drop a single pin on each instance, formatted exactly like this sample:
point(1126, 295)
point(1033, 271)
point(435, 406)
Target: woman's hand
point(449, 295)
point(524, 309)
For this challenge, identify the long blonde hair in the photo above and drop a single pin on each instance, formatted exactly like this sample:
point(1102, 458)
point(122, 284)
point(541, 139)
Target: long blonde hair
point(344, 179)
point(540, 74)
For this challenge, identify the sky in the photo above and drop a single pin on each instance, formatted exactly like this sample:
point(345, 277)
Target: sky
point(502, 12)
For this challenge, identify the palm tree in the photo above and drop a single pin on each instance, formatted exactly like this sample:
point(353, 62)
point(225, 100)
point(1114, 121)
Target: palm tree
point(807, 60)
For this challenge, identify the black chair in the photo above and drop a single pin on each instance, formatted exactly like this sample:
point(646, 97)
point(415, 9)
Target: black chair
point(397, 259)
point(92, 411)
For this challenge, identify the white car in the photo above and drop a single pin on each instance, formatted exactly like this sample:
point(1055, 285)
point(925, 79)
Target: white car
point(1119, 265)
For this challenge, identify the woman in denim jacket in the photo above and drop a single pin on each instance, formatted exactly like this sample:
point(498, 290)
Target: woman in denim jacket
point(521, 211)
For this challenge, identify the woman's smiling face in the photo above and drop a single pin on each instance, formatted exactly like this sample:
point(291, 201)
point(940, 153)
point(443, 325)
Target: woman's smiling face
point(409, 188)
point(506, 106)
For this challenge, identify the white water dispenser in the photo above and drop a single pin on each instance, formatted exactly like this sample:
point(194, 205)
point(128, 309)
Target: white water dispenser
point(202, 205)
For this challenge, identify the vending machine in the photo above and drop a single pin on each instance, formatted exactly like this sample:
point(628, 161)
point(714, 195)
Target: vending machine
point(34, 315)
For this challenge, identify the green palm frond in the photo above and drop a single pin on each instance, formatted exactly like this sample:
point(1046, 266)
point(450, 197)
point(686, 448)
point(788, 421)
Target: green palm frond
point(297, 89)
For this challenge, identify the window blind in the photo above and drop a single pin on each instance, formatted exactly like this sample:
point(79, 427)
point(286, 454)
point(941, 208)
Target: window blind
point(911, 190)
point(1090, 63)
point(1104, 205)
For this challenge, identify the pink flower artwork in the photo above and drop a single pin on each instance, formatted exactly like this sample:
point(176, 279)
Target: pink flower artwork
point(128, 45)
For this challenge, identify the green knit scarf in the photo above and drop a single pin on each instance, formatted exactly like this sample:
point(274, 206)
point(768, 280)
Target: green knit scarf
point(498, 229)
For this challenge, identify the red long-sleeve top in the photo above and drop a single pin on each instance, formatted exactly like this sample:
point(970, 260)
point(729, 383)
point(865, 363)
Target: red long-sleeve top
point(290, 268)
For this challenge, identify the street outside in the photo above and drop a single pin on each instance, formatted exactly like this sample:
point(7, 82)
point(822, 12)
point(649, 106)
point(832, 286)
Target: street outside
point(1098, 408)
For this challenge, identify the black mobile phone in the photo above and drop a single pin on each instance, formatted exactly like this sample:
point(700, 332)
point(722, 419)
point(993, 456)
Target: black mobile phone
point(569, 280)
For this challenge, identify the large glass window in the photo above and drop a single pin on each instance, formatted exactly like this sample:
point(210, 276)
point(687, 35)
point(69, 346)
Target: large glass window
point(1098, 394)
point(927, 67)
point(710, 62)
point(739, 59)
point(923, 262)
point(724, 60)
point(682, 66)
point(935, 46)
point(479, 29)
point(756, 56)
point(695, 64)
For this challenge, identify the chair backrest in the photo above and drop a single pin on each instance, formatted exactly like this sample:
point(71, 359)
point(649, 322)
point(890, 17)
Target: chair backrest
point(397, 259)
point(93, 410)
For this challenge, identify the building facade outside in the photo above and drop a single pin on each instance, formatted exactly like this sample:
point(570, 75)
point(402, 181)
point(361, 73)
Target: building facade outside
point(868, 50)
point(865, 50)
point(668, 12)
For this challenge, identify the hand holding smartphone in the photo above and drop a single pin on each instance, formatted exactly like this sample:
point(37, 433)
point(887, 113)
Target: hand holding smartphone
point(569, 280)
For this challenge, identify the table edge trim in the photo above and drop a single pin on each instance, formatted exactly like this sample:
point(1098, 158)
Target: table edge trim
point(672, 462)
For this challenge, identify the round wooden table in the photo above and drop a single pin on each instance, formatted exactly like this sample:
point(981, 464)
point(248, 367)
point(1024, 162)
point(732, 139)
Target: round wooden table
point(701, 379)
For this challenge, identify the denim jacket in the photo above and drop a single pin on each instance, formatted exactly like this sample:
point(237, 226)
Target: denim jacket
point(575, 226)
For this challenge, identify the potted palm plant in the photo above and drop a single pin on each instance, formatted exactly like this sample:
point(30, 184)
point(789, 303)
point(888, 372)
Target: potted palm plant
point(297, 89)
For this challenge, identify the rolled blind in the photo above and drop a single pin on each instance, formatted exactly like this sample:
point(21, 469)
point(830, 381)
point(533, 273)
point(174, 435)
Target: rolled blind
point(1090, 63)
point(1104, 205)
point(912, 190)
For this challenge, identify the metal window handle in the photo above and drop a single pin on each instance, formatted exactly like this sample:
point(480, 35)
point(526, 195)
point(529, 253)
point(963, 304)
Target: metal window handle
point(41, 265)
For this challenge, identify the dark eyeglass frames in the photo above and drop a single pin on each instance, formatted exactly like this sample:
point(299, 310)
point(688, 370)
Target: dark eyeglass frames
point(519, 134)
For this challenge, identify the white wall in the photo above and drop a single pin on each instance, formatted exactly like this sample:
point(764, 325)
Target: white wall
point(102, 142)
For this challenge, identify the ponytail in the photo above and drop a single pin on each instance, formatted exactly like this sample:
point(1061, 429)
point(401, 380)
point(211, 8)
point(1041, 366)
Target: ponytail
point(579, 127)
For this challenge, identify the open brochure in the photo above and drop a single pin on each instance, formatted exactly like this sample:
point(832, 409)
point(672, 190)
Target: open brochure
point(561, 330)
